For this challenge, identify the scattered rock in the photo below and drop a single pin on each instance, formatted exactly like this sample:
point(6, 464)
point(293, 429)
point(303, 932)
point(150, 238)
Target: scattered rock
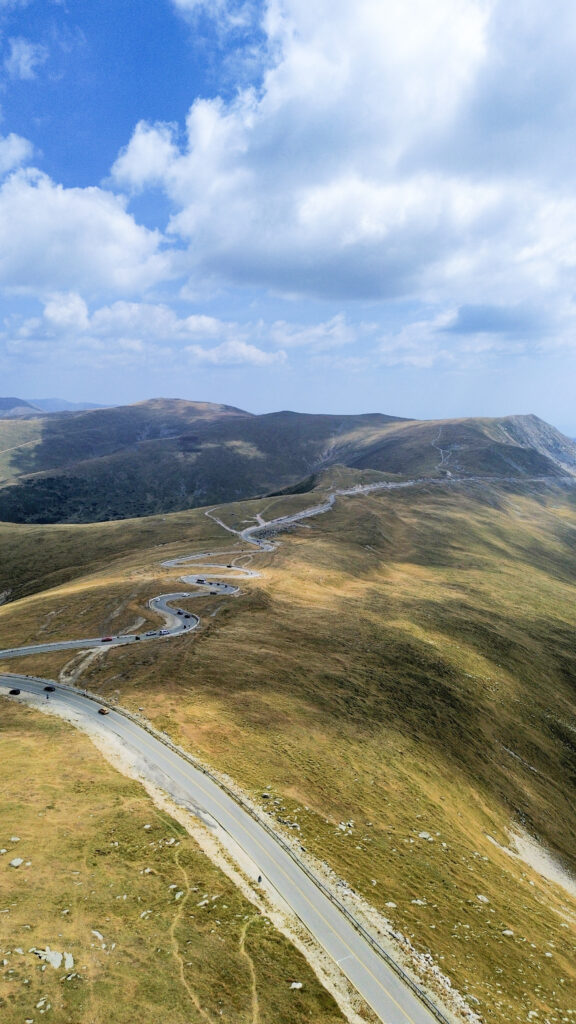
point(296, 985)
point(97, 935)
point(507, 931)
point(391, 905)
point(14, 839)
point(483, 899)
point(16, 862)
point(426, 835)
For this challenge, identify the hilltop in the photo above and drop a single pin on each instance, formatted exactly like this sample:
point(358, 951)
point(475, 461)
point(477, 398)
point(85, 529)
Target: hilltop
point(168, 455)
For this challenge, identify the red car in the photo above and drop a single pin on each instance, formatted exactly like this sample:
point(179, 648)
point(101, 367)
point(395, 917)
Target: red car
point(107, 639)
point(103, 711)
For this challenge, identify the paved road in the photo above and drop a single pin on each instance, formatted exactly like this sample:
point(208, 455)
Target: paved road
point(388, 996)
point(392, 1000)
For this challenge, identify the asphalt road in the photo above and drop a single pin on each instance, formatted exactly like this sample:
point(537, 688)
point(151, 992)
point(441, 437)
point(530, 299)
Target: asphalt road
point(388, 996)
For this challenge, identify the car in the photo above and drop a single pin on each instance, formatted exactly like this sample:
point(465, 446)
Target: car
point(179, 612)
point(103, 711)
point(49, 689)
point(186, 616)
point(107, 639)
point(14, 693)
point(136, 637)
point(163, 632)
point(213, 592)
point(200, 581)
point(151, 632)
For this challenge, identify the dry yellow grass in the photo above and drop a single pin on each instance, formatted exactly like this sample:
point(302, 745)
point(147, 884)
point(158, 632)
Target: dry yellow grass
point(102, 871)
point(406, 663)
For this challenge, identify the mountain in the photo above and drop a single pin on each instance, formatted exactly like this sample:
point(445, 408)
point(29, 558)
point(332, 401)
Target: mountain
point(61, 405)
point(166, 455)
point(16, 407)
point(394, 690)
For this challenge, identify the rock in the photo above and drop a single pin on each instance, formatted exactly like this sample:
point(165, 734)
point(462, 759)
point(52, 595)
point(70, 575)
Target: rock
point(391, 905)
point(16, 862)
point(483, 899)
point(426, 835)
point(97, 935)
point(296, 984)
point(14, 839)
point(68, 961)
point(178, 895)
point(507, 931)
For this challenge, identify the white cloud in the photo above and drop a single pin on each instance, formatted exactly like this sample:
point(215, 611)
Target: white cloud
point(53, 238)
point(146, 161)
point(334, 333)
point(24, 58)
point(235, 353)
point(346, 174)
point(14, 151)
point(130, 331)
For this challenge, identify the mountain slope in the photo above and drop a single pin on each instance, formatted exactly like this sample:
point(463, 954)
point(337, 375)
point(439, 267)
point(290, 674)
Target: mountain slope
point(168, 455)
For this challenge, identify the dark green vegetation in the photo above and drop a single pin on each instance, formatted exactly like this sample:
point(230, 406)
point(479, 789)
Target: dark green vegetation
point(164, 456)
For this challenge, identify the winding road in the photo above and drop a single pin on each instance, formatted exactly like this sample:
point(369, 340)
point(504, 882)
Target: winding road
point(393, 996)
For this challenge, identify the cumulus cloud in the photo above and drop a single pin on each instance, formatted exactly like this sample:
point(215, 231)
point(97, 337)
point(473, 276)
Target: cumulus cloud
point(54, 238)
point(235, 353)
point(375, 158)
point(24, 58)
point(129, 331)
point(14, 151)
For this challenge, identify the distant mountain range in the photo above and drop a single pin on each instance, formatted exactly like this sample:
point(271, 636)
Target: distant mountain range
point(166, 455)
point(13, 408)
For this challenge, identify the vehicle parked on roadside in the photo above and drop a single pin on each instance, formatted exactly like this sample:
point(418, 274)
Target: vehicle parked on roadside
point(107, 639)
point(49, 689)
point(103, 711)
point(14, 693)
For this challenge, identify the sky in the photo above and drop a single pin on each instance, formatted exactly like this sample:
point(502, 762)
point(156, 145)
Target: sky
point(336, 206)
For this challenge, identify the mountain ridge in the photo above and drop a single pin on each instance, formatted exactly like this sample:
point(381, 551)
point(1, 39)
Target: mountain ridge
point(166, 455)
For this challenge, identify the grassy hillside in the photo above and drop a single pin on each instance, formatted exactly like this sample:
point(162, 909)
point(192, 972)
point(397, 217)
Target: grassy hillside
point(164, 456)
point(156, 931)
point(406, 664)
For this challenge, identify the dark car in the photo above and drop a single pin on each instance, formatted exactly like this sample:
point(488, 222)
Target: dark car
point(14, 693)
point(103, 711)
point(179, 612)
point(49, 689)
point(187, 616)
point(107, 639)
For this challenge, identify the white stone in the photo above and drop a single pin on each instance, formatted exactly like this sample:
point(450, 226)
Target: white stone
point(16, 862)
point(507, 931)
point(296, 984)
point(483, 899)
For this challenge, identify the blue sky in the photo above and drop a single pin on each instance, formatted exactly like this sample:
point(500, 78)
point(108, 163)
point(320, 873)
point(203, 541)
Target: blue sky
point(343, 206)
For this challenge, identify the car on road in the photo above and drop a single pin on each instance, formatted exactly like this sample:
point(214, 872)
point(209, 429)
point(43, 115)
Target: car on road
point(14, 693)
point(49, 689)
point(107, 639)
point(163, 632)
point(151, 632)
point(200, 581)
point(179, 612)
point(212, 592)
point(103, 711)
point(186, 616)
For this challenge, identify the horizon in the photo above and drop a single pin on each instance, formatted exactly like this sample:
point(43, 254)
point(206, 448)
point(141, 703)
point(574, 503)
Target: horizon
point(269, 205)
